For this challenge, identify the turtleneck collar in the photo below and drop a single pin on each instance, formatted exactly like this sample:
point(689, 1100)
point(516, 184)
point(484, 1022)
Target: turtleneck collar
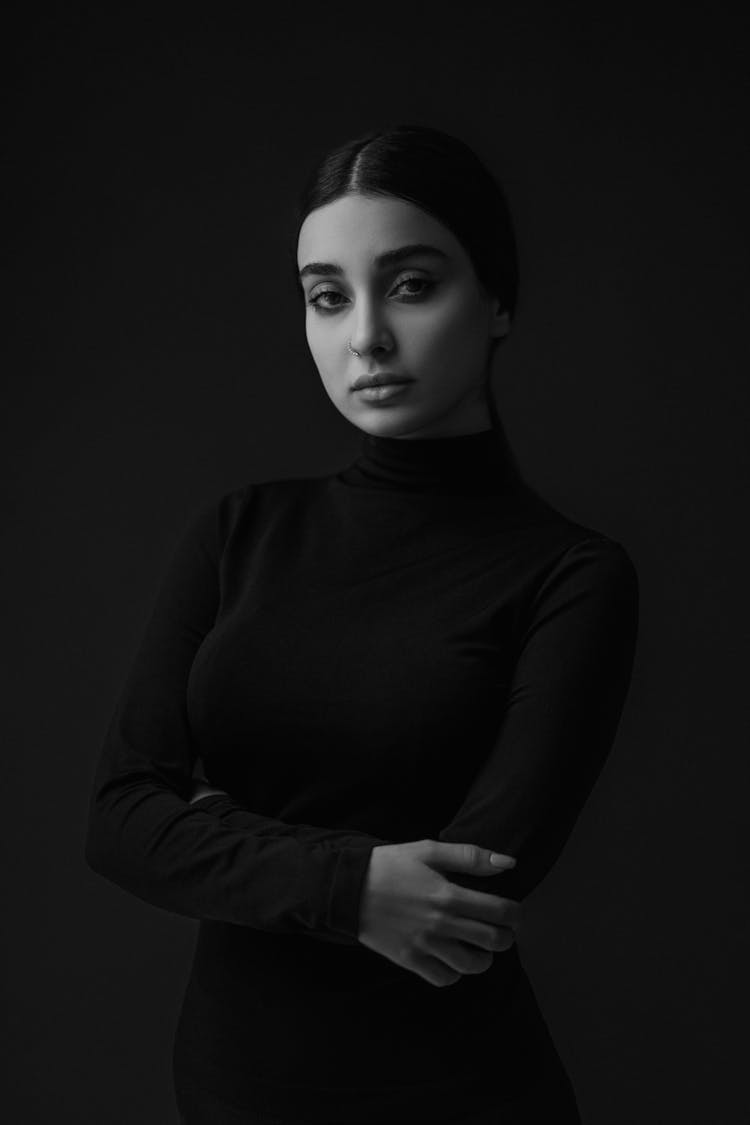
point(472, 463)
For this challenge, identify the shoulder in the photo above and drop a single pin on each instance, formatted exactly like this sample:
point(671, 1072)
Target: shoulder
point(223, 516)
point(571, 563)
point(599, 563)
point(569, 544)
point(593, 585)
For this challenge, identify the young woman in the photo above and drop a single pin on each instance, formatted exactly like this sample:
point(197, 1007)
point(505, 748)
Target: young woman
point(388, 674)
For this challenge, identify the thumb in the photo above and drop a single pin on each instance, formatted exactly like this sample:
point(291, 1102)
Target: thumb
point(466, 857)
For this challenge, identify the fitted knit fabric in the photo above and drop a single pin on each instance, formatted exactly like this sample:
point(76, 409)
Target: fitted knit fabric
point(416, 646)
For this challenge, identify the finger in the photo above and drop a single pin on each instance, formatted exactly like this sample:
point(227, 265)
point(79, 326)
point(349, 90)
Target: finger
point(495, 909)
point(433, 970)
point(469, 858)
point(460, 955)
point(495, 939)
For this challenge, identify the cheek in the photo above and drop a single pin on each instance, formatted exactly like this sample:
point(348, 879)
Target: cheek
point(326, 353)
point(451, 327)
point(319, 342)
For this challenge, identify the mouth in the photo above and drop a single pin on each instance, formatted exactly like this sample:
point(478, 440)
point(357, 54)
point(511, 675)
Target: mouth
point(383, 380)
point(384, 392)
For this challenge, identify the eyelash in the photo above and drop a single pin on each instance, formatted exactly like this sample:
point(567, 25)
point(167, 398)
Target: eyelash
point(324, 310)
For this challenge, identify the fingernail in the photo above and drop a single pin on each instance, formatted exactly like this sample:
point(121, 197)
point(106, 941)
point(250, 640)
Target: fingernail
point(501, 860)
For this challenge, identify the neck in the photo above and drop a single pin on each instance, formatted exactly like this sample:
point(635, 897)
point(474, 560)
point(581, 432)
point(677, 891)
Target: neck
point(471, 463)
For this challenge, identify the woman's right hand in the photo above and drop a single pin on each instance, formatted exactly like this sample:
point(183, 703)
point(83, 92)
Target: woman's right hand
point(422, 922)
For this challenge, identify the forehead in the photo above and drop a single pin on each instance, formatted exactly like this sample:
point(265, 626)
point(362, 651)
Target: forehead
point(355, 228)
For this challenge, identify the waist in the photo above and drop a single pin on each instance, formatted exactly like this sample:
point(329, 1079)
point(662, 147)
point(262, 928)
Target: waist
point(273, 1020)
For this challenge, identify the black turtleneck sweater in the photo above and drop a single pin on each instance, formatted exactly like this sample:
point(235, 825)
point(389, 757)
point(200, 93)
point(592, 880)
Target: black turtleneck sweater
point(417, 646)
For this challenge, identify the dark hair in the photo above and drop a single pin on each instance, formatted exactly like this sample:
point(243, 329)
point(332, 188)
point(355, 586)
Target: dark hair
point(442, 176)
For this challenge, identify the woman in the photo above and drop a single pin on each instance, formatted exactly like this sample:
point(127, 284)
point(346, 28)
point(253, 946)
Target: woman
point(388, 673)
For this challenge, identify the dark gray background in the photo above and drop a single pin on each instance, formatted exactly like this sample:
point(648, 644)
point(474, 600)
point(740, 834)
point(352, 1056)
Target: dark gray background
point(157, 358)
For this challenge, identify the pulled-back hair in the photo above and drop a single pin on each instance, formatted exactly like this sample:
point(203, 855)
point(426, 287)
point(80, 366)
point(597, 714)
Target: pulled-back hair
point(437, 173)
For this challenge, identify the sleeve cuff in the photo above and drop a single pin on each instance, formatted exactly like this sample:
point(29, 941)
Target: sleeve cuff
point(347, 889)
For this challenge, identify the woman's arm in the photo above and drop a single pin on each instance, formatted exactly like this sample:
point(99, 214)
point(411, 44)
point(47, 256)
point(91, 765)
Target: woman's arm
point(145, 836)
point(563, 709)
point(561, 715)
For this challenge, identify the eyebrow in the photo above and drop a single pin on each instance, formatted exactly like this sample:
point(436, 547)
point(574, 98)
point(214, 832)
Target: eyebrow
point(386, 259)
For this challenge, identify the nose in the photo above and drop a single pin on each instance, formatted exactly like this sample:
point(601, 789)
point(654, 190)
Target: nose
point(371, 332)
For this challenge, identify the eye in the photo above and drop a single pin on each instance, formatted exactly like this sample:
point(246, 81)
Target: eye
point(426, 285)
point(315, 302)
point(320, 306)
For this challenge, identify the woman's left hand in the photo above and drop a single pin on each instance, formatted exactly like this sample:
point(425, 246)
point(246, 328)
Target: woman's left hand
point(201, 788)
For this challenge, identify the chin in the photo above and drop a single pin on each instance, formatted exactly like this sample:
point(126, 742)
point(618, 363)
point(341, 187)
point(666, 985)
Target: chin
point(390, 422)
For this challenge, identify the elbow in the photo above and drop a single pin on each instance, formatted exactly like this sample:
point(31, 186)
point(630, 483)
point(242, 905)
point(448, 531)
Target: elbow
point(95, 851)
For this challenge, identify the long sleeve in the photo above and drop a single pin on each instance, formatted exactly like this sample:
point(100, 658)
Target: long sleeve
point(564, 705)
point(563, 708)
point(142, 833)
point(415, 646)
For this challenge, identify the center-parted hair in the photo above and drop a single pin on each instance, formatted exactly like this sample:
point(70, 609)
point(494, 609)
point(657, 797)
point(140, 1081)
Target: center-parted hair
point(439, 174)
point(445, 178)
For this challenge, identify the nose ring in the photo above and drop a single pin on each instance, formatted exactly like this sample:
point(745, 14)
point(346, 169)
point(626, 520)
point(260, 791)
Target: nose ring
point(351, 349)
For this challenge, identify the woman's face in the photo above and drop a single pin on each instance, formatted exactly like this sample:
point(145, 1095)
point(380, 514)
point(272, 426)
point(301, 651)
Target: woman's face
point(423, 315)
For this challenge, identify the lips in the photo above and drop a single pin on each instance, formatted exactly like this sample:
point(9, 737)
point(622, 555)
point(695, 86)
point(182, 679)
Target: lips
point(378, 381)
